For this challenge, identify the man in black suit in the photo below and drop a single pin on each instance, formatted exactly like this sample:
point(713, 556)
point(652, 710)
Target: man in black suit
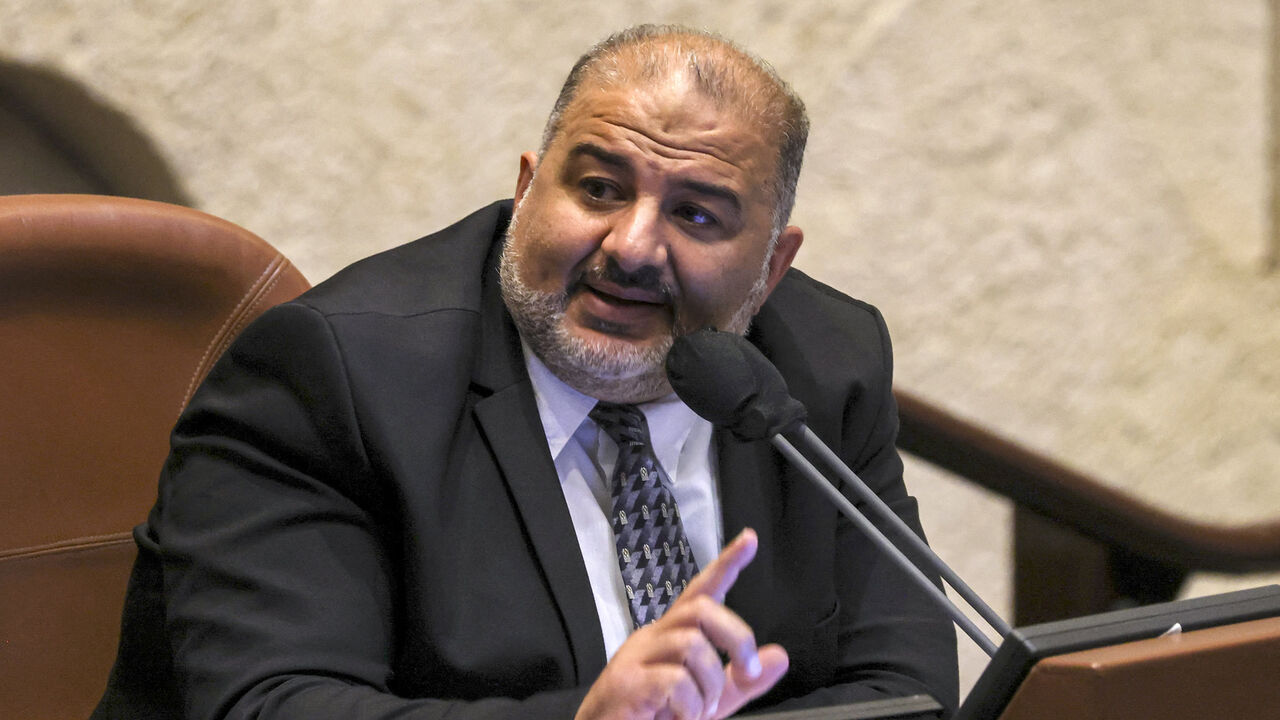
point(395, 497)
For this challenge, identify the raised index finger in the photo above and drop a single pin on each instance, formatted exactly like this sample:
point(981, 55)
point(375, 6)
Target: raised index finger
point(717, 577)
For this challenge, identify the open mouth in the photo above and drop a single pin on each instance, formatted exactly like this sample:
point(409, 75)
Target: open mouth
point(623, 311)
point(620, 301)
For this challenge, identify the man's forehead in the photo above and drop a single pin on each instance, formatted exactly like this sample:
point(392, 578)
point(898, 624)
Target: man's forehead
point(671, 113)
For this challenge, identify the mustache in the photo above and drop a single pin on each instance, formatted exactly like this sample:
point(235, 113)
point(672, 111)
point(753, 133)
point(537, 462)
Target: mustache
point(647, 278)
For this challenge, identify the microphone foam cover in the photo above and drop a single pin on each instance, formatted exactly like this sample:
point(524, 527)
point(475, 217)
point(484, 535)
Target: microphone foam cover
point(725, 379)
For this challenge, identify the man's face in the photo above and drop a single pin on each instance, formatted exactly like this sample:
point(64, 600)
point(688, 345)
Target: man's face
point(648, 217)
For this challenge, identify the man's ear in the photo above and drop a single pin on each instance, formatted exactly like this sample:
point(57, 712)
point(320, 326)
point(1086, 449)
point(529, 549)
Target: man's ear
point(528, 164)
point(784, 252)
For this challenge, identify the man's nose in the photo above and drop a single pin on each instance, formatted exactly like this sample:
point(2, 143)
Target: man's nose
point(637, 237)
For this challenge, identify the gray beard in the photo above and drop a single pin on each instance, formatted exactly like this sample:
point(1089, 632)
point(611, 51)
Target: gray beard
point(611, 370)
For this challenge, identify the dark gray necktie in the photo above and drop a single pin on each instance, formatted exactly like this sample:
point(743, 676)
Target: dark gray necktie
point(653, 553)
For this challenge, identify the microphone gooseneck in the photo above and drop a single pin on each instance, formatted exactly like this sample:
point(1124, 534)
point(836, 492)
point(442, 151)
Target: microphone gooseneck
point(726, 380)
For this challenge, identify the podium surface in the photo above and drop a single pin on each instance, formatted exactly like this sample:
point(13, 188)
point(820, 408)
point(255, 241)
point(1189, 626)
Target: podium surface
point(1217, 649)
point(1229, 671)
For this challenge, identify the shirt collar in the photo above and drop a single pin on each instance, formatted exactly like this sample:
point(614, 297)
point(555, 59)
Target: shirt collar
point(564, 409)
point(561, 408)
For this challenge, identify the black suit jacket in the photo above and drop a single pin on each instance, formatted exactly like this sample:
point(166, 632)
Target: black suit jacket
point(360, 517)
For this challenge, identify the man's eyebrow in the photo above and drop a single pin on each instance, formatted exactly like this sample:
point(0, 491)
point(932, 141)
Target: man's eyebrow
point(714, 190)
point(621, 162)
point(599, 153)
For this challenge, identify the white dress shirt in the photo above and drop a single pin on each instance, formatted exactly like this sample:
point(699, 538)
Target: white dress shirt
point(585, 457)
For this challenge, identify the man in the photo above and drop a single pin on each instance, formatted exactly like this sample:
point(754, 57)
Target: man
point(410, 492)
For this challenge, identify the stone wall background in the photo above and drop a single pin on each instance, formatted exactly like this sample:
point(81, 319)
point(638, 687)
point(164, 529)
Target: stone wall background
point(1060, 205)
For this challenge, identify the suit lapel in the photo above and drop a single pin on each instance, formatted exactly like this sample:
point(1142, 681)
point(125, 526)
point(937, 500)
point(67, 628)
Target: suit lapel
point(509, 420)
point(749, 497)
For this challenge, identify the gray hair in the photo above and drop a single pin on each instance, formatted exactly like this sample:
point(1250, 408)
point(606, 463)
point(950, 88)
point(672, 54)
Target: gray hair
point(721, 70)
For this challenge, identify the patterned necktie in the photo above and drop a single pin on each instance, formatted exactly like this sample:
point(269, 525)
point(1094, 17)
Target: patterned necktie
point(653, 554)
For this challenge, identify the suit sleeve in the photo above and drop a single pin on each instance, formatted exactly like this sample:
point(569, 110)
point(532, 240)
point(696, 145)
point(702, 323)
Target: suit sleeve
point(892, 640)
point(278, 568)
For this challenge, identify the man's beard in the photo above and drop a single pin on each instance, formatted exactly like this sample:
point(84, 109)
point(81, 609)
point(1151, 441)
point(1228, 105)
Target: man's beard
point(606, 368)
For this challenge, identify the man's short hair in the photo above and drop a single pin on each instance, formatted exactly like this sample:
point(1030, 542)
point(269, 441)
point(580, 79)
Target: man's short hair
point(721, 70)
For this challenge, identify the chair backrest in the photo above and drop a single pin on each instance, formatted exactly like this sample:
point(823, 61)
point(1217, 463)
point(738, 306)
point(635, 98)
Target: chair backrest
point(112, 310)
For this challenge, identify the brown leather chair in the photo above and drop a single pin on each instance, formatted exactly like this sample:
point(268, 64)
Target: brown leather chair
point(112, 310)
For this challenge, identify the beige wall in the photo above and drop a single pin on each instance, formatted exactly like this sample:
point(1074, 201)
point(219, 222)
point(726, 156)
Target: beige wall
point(1060, 205)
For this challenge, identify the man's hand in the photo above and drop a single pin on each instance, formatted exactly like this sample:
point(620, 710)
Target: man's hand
point(672, 669)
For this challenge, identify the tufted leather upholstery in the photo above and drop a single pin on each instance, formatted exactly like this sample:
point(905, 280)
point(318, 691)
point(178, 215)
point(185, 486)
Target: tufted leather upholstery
point(111, 312)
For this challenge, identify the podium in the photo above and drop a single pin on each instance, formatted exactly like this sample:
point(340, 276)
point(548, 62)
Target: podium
point(1211, 657)
point(1230, 671)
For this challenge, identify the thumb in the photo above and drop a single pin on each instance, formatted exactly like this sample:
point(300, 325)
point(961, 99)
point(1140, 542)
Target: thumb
point(740, 689)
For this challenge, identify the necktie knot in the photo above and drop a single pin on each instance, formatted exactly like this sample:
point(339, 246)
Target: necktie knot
point(622, 423)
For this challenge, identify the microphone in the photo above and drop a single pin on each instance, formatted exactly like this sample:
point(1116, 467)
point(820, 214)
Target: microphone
point(726, 380)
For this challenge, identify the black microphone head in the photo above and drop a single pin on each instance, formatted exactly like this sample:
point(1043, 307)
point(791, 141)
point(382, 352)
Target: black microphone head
point(726, 380)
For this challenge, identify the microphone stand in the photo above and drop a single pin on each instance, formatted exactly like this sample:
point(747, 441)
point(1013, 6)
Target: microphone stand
point(810, 441)
point(727, 380)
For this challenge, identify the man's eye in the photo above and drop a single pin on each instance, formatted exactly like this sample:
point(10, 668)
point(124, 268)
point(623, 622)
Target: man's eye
point(598, 189)
point(695, 215)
